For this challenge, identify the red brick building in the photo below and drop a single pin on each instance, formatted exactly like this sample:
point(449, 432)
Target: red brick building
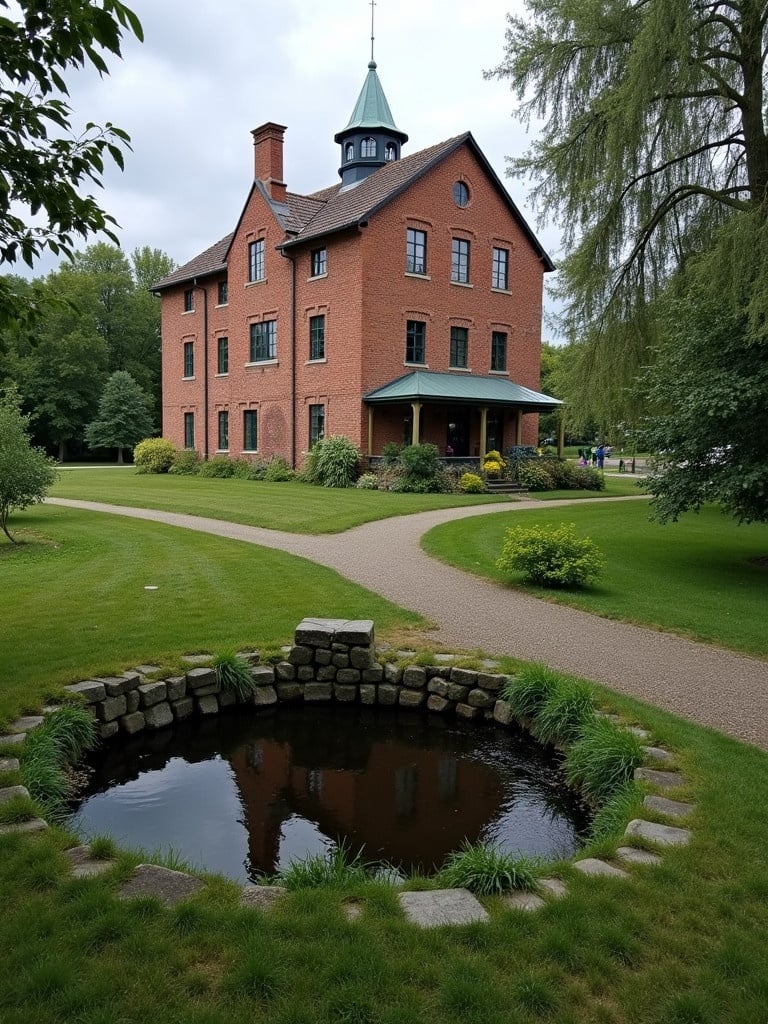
point(403, 303)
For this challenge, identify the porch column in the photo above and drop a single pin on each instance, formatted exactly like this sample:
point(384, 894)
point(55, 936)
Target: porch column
point(370, 430)
point(518, 426)
point(483, 432)
point(416, 407)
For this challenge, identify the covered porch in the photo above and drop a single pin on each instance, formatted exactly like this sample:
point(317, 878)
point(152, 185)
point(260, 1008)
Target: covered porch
point(464, 415)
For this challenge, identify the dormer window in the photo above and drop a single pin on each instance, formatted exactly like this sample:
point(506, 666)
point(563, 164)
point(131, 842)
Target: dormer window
point(391, 151)
point(349, 151)
point(368, 147)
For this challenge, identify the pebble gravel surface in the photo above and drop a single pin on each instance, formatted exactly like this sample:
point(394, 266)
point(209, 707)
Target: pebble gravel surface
point(714, 687)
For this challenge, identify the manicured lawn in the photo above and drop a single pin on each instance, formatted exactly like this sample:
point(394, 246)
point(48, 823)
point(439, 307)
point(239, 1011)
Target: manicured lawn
point(684, 942)
point(298, 508)
point(615, 487)
point(693, 577)
point(73, 601)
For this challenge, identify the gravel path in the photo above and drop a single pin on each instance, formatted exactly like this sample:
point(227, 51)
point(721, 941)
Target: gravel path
point(706, 684)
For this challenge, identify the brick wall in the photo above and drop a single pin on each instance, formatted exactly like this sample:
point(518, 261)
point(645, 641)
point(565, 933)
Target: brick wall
point(366, 298)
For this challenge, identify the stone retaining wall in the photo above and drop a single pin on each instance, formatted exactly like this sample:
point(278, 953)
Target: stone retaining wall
point(331, 659)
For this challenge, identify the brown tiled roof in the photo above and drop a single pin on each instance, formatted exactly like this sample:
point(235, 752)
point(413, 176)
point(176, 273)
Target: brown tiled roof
point(301, 211)
point(212, 261)
point(346, 207)
point(334, 209)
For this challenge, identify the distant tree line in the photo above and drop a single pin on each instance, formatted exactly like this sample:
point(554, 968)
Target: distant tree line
point(95, 316)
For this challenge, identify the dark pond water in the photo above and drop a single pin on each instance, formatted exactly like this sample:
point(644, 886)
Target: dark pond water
point(242, 794)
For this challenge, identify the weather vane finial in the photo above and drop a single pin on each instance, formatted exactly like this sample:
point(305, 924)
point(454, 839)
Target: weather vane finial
point(373, 5)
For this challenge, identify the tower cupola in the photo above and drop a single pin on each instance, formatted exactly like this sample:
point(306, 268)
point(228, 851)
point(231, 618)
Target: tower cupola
point(371, 138)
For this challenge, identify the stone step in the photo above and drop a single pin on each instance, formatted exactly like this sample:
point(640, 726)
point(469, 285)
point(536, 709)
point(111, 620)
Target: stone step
point(437, 907)
point(167, 886)
point(662, 835)
point(33, 825)
point(593, 866)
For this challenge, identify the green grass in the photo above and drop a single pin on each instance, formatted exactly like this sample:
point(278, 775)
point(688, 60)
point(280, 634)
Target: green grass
point(73, 602)
point(295, 507)
point(694, 577)
point(682, 942)
point(615, 487)
point(677, 944)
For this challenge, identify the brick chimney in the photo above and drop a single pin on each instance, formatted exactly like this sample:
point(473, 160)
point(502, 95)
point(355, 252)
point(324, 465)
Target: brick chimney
point(268, 158)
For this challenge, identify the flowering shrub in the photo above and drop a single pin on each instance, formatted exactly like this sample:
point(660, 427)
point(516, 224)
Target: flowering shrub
point(154, 455)
point(367, 482)
point(551, 557)
point(471, 483)
point(534, 476)
point(493, 463)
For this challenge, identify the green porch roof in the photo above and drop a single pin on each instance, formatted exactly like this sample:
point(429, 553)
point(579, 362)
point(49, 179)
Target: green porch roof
point(429, 386)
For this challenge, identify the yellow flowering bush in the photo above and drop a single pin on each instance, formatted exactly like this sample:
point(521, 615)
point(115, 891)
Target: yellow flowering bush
point(551, 557)
point(493, 463)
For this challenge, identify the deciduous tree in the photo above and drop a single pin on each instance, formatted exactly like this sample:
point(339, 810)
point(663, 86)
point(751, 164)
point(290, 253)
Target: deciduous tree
point(46, 168)
point(653, 157)
point(26, 472)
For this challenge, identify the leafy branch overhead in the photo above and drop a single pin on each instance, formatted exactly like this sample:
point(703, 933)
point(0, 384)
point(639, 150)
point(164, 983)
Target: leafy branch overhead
point(45, 166)
point(653, 135)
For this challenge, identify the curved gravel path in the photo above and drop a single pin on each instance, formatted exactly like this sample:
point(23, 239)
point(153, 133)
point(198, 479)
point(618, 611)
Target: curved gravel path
point(707, 684)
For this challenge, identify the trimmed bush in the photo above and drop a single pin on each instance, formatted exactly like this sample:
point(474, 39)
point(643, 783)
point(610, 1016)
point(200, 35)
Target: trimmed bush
point(588, 479)
point(602, 760)
point(220, 467)
point(561, 473)
point(257, 468)
point(234, 674)
point(154, 455)
point(551, 556)
point(337, 462)
point(534, 476)
point(390, 453)
point(278, 471)
point(471, 483)
point(368, 482)
point(517, 455)
point(566, 712)
point(420, 460)
point(486, 871)
point(186, 463)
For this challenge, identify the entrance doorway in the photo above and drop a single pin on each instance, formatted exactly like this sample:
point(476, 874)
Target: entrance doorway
point(458, 432)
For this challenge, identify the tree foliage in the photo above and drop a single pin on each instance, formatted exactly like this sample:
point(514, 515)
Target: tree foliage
point(708, 398)
point(653, 134)
point(46, 167)
point(124, 417)
point(26, 472)
point(94, 316)
point(653, 158)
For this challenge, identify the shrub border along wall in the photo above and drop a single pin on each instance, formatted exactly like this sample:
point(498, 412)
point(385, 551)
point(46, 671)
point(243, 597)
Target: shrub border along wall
point(334, 659)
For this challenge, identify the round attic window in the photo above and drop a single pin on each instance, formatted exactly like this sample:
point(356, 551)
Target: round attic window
point(460, 194)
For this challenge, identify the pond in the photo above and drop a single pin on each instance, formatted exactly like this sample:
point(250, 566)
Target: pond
point(243, 794)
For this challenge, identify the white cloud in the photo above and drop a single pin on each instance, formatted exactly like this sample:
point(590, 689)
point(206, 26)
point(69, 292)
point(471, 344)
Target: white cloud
point(206, 75)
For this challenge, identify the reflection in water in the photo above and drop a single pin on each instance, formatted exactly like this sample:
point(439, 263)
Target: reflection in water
point(244, 794)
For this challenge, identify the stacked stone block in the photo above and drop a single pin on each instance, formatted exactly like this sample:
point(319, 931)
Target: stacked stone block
point(330, 660)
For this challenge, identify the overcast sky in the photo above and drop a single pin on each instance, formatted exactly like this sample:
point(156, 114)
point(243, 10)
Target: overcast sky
point(207, 74)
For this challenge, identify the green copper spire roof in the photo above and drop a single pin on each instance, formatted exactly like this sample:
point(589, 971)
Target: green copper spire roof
point(372, 109)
